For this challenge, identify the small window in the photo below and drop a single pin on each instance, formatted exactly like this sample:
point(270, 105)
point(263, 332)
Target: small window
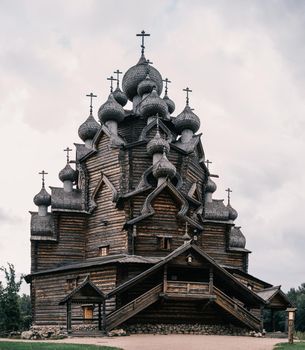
point(72, 283)
point(87, 312)
point(164, 243)
point(103, 250)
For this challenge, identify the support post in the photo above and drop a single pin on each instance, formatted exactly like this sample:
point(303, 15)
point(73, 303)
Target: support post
point(104, 317)
point(165, 279)
point(262, 317)
point(272, 320)
point(211, 281)
point(99, 317)
point(69, 314)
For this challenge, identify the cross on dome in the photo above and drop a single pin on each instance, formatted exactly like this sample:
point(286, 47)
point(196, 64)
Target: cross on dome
point(143, 35)
point(117, 72)
point(91, 95)
point(42, 173)
point(112, 79)
point(68, 150)
point(167, 81)
point(187, 90)
point(208, 162)
point(229, 194)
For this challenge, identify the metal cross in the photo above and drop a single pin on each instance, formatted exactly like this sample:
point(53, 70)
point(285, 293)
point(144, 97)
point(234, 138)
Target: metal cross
point(187, 95)
point(143, 35)
point(42, 173)
point(68, 150)
point(166, 82)
point(117, 72)
point(112, 79)
point(208, 162)
point(91, 95)
point(229, 194)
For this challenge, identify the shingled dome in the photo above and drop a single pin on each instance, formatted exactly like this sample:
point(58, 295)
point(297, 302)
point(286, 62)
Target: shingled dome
point(237, 239)
point(136, 74)
point(232, 213)
point(120, 96)
point(42, 198)
point(111, 110)
point(157, 144)
point(187, 120)
point(146, 86)
point(153, 105)
point(164, 168)
point(67, 174)
point(170, 104)
point(211, 186)
point(88, 129)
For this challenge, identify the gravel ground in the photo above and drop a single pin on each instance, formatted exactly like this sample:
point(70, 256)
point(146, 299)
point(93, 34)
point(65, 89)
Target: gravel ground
point(180, 342)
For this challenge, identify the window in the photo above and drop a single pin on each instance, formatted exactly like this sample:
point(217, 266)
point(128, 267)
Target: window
point(164, 242)
point(72, 283)
point(103, 250)
point(87, 312)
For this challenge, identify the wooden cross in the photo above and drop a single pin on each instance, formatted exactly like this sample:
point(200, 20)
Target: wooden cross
point(68, 150)
point(208, 162)
point(42, 173)
point(112, 79)
point(188, 90)
point(91, 95)
point(117, 72)
point(166, 82)
point(143, 35)
point(229, 194)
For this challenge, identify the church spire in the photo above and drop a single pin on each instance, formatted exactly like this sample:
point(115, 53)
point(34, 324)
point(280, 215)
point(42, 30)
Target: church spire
point(143, 34)
point(43, 198)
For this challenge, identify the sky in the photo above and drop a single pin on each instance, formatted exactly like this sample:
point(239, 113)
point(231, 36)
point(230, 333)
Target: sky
point(243, 60)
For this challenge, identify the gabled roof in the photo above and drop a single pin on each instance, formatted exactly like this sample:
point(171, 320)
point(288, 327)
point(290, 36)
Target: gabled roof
point(243, 290)
point(87, 285)
point(269, 294)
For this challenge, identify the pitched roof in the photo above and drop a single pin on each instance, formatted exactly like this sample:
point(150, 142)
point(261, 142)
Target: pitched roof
point(269, 294)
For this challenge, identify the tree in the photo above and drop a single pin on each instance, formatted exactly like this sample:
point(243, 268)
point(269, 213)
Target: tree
point(26, 311)
point(297, 297)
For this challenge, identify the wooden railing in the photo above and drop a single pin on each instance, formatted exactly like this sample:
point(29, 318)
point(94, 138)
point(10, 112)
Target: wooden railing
point(235, 309)
point(125, 312)
point(181, 287)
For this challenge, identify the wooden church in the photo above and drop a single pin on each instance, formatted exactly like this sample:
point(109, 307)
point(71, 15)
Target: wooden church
point(134, 235)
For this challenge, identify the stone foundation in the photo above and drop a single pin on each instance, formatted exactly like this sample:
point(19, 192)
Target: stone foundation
point(45, 332)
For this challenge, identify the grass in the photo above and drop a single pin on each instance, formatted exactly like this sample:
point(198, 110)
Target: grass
point(50, 346)
point(294, 346)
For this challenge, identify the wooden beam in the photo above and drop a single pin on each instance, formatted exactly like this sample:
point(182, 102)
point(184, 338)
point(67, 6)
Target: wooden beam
point(69, 313)
point(99, 317)
point(165, 279)
point(211, 280)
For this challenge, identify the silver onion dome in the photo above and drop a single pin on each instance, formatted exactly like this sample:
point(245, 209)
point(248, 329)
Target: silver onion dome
point(157, 144)
point(136, 74)
point(111, 110)
point(120, 96)
point(153, 105)
point(67, 174)
point(211, 186)
point(146, 86)
point(170, 104)
point(164, 168)
point(88, 129)
point(237, 239)
point(232, 213)
point(42, 198)
point(187, 120)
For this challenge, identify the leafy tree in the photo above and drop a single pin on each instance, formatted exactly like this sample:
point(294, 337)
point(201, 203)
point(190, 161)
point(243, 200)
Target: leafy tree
point(26, 311)
point(297, 297)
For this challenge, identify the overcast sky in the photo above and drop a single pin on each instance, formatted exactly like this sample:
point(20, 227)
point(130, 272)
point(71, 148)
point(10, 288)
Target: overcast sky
point(244, 61)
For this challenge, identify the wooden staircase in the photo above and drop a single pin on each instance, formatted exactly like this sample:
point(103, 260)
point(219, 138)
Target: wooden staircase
point(236, 310)
point(125, 312)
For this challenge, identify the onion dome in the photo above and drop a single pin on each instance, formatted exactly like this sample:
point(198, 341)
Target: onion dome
point(157, 144)
point(187, 120)
point(153, 105)
point(42, 198)
point(133, 77)
point(146, 86)
point(164, 168)
point(67, 174)
point(88, 129)
point(232, 212)
point(111, 110)
point(237, 239)
point(211, 186)
point(170, 104)
point(120, 96)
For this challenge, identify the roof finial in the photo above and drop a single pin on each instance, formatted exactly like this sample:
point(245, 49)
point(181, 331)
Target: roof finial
point(229, 194)
point(91, 95)
point(143, 35)
point(112, 79)
point(187, 95)
point(42, 173)
point(208, 162)
point(166, 82)
point(117, 72)
point(68, 150)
